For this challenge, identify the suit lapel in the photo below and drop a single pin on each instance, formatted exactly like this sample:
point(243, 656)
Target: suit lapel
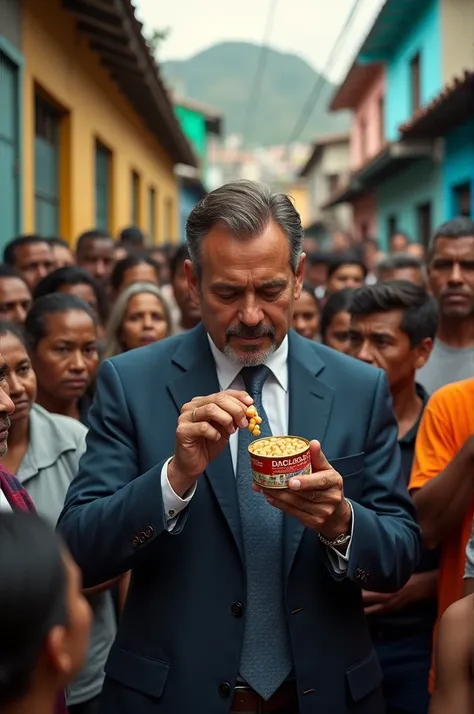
point(199, 377)
point(310, 406)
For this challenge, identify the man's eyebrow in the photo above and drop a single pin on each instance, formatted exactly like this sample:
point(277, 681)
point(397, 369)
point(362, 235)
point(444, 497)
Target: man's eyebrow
point(268, 284)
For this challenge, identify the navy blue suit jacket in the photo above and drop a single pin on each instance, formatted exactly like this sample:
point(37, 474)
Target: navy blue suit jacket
point(179, 641)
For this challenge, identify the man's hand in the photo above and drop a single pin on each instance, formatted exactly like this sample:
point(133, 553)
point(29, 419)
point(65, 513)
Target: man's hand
point(203, 431)
point(317, 500)
point(421, 586)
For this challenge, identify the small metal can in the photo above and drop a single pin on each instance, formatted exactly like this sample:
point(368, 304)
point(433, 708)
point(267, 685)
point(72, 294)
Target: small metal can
point(276, 471)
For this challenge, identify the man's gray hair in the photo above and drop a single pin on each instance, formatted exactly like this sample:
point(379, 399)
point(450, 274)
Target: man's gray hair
point(244, 208)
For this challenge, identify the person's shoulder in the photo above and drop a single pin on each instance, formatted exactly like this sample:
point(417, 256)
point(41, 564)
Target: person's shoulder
point(458, 619)
point(153, 354)
point(346, 367)
point(58, 425)
point(452, 395)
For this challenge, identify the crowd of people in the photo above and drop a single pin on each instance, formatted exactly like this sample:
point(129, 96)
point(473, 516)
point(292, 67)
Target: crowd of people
point(73, 412)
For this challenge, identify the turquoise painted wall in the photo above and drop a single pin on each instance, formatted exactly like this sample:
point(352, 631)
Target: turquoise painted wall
point(400, 195)
point(423, 36)
point(193, 125)
point(458, 165)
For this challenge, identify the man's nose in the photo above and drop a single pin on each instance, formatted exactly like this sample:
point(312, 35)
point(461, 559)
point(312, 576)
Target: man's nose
point(19, 315)
point(365, 353)
point(6, 405)
point(456, 276)
point(251, 313)
point(99, 269)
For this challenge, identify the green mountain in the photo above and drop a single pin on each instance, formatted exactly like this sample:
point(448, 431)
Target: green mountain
point(223, 76)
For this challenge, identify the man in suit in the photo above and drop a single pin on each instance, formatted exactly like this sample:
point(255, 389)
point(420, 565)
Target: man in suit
point(241, 600)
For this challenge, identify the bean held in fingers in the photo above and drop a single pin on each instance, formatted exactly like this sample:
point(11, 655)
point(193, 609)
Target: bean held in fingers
point(204, 427)
point(254, 421)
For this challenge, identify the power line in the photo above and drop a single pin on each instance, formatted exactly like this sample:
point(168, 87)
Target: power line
point(260, 69)
point(314, 97)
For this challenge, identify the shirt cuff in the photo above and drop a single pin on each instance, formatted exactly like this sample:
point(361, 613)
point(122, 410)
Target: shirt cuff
point(339, 561)
point(172, 503)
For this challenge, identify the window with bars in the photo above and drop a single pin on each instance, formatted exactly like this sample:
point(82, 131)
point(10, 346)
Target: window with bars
point(169, 219)
point(423, 211)
point(152, 214)
point(47, 155)
point(103, 161)
point(135, 217)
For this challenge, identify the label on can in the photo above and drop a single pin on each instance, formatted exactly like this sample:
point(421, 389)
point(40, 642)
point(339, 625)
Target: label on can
point(275, 472)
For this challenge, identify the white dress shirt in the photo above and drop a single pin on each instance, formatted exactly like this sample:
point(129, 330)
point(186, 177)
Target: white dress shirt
point(4, 505)
point(275, 399)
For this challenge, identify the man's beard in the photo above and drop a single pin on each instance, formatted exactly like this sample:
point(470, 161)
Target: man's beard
point(4, 424)
point(251, 355)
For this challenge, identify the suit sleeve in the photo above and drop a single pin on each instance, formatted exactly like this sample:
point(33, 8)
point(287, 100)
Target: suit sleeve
point(113, 514)
point(386, 542)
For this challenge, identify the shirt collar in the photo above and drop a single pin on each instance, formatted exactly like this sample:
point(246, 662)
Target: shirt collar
point(227, 370)
point(410, 436)
point(48, 440)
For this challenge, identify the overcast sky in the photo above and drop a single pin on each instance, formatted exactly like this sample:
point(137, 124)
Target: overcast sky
point(305, 27)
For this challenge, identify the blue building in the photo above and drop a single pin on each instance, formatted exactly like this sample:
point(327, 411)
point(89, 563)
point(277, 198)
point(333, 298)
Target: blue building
point(424, 174)
point(450, 118)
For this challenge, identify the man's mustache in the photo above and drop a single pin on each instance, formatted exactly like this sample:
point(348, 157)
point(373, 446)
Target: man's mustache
point(250, 333)
point(450, 292)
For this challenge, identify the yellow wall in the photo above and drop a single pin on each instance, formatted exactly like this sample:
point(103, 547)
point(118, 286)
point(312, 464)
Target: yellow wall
point(60, 63)
point(299, 193)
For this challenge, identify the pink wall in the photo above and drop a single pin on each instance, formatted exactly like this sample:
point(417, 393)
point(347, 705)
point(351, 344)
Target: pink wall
point(364, 216)
point(368, 111)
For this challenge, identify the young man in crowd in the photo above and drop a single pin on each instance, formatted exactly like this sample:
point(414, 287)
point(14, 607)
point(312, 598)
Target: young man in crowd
point(95, 253)
point(317, 273)
point(451, 280)
point(393, 325)
point(345, 271)
point(15, 295)
point(31, 256)
point(188, 314)
point(62, 253)
point(402, 266)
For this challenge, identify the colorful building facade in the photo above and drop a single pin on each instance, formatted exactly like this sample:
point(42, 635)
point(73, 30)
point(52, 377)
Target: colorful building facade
point(202, 125)
point(412, 178)
point(96, 137)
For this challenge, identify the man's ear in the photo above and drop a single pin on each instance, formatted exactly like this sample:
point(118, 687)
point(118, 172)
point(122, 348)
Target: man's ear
point(193, 282)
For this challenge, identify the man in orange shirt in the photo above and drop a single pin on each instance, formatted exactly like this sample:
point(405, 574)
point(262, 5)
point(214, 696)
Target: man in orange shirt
point(442, 482)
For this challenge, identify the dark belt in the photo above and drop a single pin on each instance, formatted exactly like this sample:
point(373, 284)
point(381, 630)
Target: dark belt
point(379, 633)
point(248, 701)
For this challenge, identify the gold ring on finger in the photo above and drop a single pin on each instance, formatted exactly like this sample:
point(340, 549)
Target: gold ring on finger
point(193, 415)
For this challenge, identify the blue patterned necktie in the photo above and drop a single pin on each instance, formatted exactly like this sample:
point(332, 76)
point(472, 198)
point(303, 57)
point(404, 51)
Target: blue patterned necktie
point(266, 654)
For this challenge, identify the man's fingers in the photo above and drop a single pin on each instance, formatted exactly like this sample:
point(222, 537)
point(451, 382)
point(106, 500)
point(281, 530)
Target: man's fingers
point(223, 409)
point(371, 598)
point(320, 481)
point(318, 460)
point(243, 397)
point(188, 432)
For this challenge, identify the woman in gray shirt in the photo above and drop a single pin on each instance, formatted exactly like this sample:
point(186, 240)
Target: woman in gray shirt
point(44, 451)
